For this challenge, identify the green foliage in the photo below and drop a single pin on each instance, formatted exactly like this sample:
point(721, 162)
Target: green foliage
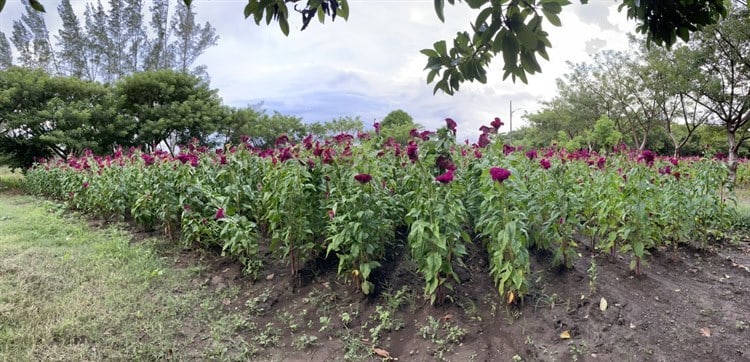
point(663, 24)
point(349, 125)
point(170, 107)
point(261, 128)
point(398, 124)
point(605, 135)
point(44, 116)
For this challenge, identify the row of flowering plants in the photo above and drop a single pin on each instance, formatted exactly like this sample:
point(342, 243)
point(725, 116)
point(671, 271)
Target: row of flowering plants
point(345, 197)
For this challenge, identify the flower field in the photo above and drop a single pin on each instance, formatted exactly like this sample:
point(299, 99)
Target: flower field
point(350, 197)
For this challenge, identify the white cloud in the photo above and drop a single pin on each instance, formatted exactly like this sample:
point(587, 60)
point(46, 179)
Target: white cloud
point(371, 64)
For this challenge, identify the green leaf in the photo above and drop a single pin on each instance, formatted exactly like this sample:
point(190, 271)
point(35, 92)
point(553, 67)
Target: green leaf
point(187, 2)
point(344, 9)
point(430, 53)
point(258, 15)
point(441, 48)
point(483, 16)
point(552, 7)
point(284, 25)
point(552, 18)
point(527, 37)
point(510, 49)
point(439, 8)
point(476, 4)
point(529, 63)
point(2, 5)
point(431, 76)
point(638, 249)
point(321, 15)
point(36, 5)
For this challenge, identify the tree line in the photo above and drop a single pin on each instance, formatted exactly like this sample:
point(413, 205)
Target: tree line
point(43, 116)
point(107, 43)
point(675, 100)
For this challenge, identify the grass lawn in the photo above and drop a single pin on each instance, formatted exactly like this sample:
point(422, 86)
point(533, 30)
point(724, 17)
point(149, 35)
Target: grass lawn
point(70, 292)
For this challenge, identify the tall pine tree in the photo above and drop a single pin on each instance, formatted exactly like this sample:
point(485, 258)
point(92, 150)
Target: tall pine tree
point(159, 54)
point(97, 41)
point(115, 53)
point(190, 38)
point(6, 56)
point(31, 38)
point(71, 44)
point(135, 35)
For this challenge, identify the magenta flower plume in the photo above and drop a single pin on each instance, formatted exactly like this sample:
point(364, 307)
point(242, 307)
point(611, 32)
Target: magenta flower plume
point(445, 178)
point(363, 178)
point(545, 163)
point(531, 154)
point(497, 123)
point(451, 124)
point(376, 125)
point(601, 162)
point(219, 213)
point(647, 156)
point(499, 174)
point(148, 159)
point(411, 151)
point(484, 140)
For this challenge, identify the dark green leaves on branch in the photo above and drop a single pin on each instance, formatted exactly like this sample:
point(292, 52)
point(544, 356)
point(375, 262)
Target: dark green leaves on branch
point(277, 10)
point(664, 21)
point(508, 27)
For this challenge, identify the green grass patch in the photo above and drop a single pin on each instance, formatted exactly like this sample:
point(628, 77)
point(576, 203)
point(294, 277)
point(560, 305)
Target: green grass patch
point(68, 292)
point(10, 180)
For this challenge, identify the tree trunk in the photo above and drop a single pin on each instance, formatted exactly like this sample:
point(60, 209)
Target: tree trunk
point(732, 156)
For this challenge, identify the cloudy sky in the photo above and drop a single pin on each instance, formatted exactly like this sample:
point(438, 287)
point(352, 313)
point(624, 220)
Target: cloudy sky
point(370, 64)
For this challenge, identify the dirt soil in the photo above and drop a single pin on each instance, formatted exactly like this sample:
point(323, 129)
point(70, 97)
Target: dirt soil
point(689, 305)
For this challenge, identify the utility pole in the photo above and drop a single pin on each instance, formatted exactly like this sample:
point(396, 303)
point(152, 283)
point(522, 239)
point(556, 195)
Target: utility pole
point(510, 123)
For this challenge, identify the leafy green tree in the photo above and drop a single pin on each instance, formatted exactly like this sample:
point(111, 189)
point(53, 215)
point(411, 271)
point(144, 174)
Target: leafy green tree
point(350, 125)
point(44, 116)
point(170, 108)
point(722, 83)
point(397, 118)
point(262, 129)
point(605, 134)
point(398, 124)
point(6, 55)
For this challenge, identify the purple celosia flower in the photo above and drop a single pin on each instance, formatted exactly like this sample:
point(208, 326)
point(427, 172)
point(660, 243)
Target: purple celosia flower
point(363, 178)
point(499, 174)
point(545, 163)
point(451, 124)
point(445, 178)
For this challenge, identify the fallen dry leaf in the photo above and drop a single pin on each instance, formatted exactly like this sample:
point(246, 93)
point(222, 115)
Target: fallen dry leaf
point(706, 332)
point(447, 317)
point(382, 353)
point(603, 304)
point(511, 297)
point(565, 335)
point(270, 276)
